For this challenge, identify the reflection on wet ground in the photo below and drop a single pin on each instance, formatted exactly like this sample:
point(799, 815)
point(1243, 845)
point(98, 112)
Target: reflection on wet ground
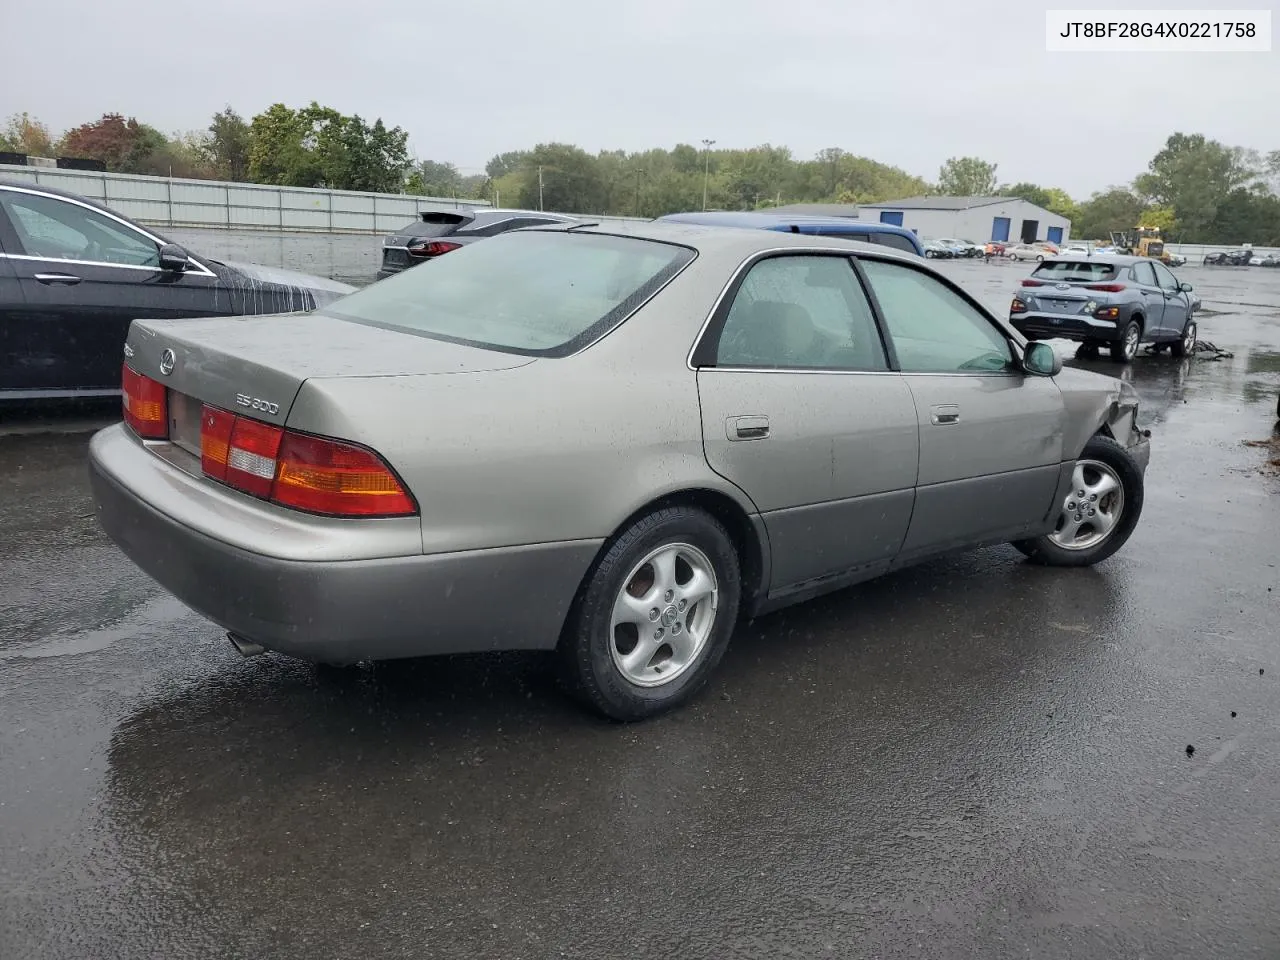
point(972, 758)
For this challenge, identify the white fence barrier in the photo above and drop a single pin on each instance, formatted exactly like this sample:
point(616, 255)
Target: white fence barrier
point(1194, 252)
point(164, 202)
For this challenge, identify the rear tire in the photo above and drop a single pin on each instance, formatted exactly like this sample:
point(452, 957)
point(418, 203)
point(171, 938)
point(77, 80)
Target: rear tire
point(1187, 345)
point(1113, 488)
point(633, 647)
point(1126, 348)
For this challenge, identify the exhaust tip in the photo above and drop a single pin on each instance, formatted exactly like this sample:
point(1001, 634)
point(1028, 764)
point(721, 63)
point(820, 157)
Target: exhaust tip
point(246, 648)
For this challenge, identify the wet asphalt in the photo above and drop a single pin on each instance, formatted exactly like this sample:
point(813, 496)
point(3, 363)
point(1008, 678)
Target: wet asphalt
point(971, 758)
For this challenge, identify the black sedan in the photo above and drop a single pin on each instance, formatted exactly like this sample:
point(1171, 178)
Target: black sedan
point(73, 274)
point(436, 232)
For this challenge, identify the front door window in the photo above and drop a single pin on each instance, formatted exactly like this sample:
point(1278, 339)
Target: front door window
point(55, 229)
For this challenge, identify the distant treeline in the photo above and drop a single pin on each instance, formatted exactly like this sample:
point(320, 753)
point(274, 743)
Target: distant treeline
point(1195, 189)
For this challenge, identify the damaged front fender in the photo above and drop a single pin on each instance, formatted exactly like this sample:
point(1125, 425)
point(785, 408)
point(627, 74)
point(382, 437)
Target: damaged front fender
point(1095, 403)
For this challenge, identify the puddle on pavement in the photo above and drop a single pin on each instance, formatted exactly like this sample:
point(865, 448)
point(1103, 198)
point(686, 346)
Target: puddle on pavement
point(159, 609)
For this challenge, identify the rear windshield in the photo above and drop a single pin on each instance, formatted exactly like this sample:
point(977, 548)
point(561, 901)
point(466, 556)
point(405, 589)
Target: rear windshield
point(895, 240)
point(535, 293)
point(433, 224)
point(1080, 270)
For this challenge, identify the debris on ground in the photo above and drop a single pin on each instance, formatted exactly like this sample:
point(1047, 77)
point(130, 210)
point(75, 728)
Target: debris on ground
point(1205, 350)
point(1212, 351)
point(1272, 446)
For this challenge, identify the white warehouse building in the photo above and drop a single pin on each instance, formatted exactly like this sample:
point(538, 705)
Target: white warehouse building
point(977, 219)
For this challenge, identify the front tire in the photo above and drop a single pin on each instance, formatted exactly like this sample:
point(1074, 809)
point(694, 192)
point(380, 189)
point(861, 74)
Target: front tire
point(654, 615)
point(1099, 512)
point(1187, 345)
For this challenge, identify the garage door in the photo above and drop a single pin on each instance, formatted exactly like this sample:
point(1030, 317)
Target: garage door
point(1000, 229)
point(891, 216)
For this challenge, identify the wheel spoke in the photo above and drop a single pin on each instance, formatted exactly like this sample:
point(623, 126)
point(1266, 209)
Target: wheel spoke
point(635, 662)
point(1106, 484)
point(629, 609)
point(1070, 528)
point(683, 646)
point(664, 571)
point(699, 587)
point(1103, 522)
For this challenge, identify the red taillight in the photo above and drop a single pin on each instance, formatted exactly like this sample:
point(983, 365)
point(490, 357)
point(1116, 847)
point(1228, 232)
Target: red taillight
point(215, 441)
point(1105, 287)
point(145, 404)
point(432, 248)
point(251, 456)
point(1033, 283)
point(326, 476)
point(297, 470)
point(1017, 306)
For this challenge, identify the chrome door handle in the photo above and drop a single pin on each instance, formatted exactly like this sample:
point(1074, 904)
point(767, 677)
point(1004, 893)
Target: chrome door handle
point(747, 428)
point(65, 279)
point(945, 413)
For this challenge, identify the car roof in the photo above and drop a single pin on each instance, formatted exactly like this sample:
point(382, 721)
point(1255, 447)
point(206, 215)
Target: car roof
point(32, 186)
point(758, 220)
point(508, 212)
point(732, 240)
point(1117, 259)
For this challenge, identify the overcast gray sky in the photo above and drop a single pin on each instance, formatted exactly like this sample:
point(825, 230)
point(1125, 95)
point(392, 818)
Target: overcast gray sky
point(904, 82)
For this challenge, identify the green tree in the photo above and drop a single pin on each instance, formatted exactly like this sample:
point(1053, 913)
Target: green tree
point(1029, 192)
point(229, 145)
point(1117, 208)
point(1194, 175)
point(432, 179)
point(505, 163)
point(1247, 215)
point(24, 134)
point(967, 177)
point(570, 179)
point(319, 147)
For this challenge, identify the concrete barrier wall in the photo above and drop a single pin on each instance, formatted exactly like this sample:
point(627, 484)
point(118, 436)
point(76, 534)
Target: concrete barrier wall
point(1194, 252)
point(210, 204)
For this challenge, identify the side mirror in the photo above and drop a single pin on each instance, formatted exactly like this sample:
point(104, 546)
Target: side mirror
point(173, 259)
point(1185, 287)
point(1041, 360)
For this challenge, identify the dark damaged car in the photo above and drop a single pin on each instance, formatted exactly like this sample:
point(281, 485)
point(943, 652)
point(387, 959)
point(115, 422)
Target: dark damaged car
point(74, 274)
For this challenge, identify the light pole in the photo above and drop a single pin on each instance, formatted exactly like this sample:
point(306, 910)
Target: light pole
point(706, 169)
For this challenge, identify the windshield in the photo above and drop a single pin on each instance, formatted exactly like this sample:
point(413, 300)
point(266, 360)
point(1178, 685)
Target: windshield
point(1068, 271)
point(538, 293)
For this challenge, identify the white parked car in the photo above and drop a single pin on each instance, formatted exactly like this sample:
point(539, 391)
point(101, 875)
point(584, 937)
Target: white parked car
point(1026, 251)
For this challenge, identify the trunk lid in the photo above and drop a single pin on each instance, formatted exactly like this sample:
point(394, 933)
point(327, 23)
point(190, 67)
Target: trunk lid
point(256, 365)
point(1068, 298)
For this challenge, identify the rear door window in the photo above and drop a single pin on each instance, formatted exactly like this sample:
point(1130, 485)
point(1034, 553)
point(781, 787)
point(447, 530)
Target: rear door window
point(1071, 271)
point(801, 312)
point(1145, 274)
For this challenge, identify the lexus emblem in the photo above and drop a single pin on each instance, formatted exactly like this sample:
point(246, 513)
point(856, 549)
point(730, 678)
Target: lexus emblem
point(167, 360)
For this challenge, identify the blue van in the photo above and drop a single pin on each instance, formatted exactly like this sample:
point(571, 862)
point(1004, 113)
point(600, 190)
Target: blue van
point(847, 228)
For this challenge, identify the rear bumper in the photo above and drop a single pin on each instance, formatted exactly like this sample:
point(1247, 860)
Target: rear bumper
point(1068, 326)
point(511, 598)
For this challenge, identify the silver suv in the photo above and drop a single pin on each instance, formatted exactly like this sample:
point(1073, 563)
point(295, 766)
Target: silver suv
point(1118, 302)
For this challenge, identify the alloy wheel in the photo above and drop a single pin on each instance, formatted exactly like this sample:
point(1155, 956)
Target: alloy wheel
point(664, 614)
point(1092, 508)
